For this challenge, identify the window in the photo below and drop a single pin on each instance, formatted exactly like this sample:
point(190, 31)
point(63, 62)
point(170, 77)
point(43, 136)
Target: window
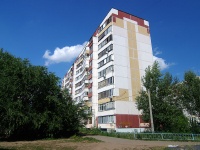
point(108, 30)
point(105, 94)
point(90, 64)
point(106, 82)
point(105, 71)
point(105, 61)
point(106, 119)
point(106, 106)
point(105, 24)
point(105, 51)
point(108, 39)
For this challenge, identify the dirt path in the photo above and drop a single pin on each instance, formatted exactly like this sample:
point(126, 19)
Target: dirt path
point(111, 143)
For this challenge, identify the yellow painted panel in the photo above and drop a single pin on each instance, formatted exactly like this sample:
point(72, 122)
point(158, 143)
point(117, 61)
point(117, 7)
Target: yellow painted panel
point(104, 100)
point(131, 26)
point(130, 35)
point(130, 43)
point(89, 104)
point(123, 95)
point(131, 52)
point(134, 64)
point(132, 40)
point(135, 83)
point(135, 94)
point(135, 73)
point(135, 87)
point(135, 54)
point(119, 23)
point(143, 30)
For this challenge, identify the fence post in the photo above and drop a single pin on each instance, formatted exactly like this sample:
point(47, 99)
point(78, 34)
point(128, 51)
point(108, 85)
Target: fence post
point(134, 135)
point(162, 136)
point(193, 137)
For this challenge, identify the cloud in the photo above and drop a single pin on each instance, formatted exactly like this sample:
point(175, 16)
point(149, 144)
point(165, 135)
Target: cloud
point(156, 51)
point(162, 63)
point(65, 54)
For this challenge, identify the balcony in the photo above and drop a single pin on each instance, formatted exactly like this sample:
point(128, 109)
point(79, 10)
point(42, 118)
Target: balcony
point(90, 85)
point(89, 94)
point(85, 98)
point(90, 76)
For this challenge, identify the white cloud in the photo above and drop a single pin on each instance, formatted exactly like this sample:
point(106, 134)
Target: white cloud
point(162, 64)
point(65, 54)
point(156, 51)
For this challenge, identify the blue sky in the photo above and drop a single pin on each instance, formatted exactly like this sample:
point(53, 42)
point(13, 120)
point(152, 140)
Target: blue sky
point(52, 32)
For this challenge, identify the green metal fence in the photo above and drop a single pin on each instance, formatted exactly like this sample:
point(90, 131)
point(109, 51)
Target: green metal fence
point(168, 136)
point(146, 136)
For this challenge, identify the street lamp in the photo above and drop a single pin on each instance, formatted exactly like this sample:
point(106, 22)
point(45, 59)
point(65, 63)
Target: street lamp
point(150, 108)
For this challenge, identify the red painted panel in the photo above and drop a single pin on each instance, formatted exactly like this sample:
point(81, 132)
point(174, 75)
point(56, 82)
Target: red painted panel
point(90, 94)
point(90, 68)
point(122, 15)
point(128, 121)
point(91, 52)
point(90, 85)
point(90, 76)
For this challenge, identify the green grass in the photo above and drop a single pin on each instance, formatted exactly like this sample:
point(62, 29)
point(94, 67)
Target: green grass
point(84, 139)
point(49, 144)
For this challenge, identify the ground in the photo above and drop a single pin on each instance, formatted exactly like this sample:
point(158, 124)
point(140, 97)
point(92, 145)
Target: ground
point(109, 143)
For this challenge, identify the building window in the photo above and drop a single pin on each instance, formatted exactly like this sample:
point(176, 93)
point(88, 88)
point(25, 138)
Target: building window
point(105, 71)
point(105, 61)
point(105, 94)
point(105, 24)
point(106, 106)
point(106, 82)
point(108, 30)
point(105, 51)
point(107, 40)
point(106, 119)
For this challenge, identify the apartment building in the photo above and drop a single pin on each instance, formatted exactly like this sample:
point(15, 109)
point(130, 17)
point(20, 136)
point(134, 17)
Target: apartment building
point(106, 76)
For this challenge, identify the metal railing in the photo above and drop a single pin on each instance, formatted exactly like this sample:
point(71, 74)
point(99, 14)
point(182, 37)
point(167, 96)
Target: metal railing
point(168, 136)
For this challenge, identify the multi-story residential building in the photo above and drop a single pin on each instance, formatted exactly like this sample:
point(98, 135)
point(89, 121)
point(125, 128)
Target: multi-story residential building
point(107, 74)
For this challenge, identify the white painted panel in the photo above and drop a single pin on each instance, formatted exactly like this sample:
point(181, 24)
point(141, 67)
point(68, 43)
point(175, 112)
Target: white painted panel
point(121, 71)
point(120, 50)
point(120, 40)
point(105, 88)
point(126, 107)
point(144, 47)
point(143, 38)
point(119, 31)
point(121, 82)
point(116, 92)
point(131, 21)
point(142, 73)
point(146, 23)
point(106, 113)
point(145, 56)
point(131, 130)
point(144, 64)
point(120, 60)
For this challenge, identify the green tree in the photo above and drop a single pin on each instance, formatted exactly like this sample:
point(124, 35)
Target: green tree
point(190, 90)
point(32, 104)
point(191, 93)
point(167, 111)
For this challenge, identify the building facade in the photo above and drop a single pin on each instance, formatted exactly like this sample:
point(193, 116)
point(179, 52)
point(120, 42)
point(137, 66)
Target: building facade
point(107, 74)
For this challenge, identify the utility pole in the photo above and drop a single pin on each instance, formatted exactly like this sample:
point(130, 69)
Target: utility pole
point(150, 108)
